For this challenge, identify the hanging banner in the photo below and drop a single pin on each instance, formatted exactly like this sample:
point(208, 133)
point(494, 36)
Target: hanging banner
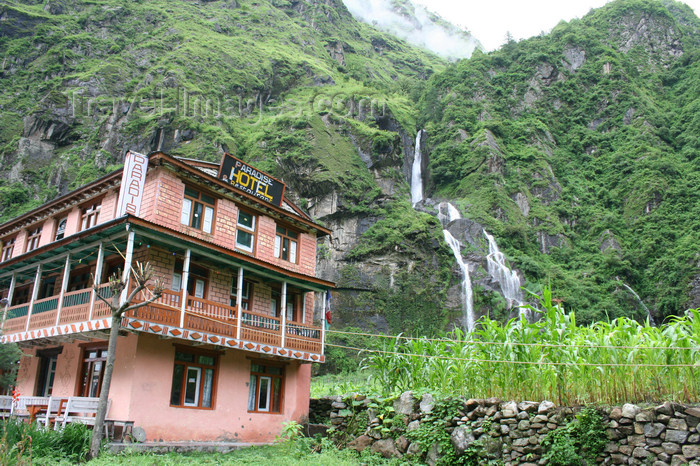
point(133, 184)
point(249, 180)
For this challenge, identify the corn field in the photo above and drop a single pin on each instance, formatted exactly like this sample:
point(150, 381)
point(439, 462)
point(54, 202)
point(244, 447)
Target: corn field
point(554, 359)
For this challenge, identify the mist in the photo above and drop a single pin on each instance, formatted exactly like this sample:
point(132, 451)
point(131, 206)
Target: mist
point(418, 28)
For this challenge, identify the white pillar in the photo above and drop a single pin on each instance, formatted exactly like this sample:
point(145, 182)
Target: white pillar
point(35, 293)
point(126, 277)
point(64, 287)
point(239, 302)
point(323, 323)
point(283, 307)
point(303, 308)
point(10, 292)
point(185, 282)
point(98, 277)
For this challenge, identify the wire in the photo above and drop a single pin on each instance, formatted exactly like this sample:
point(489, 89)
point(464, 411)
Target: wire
point(514, 343)
point(500, 361)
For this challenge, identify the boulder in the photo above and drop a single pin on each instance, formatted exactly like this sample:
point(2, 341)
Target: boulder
point(427, 403)
point(691, 451)
point(402, 444)
point(510, 409)
point(545, 407)
point(386, 448)
point(676, 436)
point(405, 404)
point(653, 430)
point(630, 411)
point(360, 443)
point(461, 438)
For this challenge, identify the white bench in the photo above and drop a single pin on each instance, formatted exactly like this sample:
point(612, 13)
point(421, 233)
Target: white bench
point(55, 408)
point(81, 409)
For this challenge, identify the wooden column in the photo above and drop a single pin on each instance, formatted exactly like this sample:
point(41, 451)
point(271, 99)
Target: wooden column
point(98, 277)
point(35, 293)
point(126, 277)
point(185, 282)
point(64, 287)
point(239, 302)
point(283, 307)
point(10, 292)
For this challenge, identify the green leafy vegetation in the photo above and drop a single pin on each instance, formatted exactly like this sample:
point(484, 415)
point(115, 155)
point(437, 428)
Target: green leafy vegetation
point(580, 442)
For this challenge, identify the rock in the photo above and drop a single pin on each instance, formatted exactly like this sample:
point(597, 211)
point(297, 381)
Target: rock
point(678, 460)
point(386, 448)
point(472, 403)
point(405, 404)
point(695, 412)
point(413, 425)
point(545, 407)
point(433, 454)
point(521, 442)
point(630, 411)
point(640, 452)
point(402, 444)
point(635, 440)
point(671, 448)
point(461, 438)
point(505, 430)
point(653, 430)
point(427, 403)
point(360, 443)
point(660, 463)
point(644, 416)
point(524, 424)
point(528, 406)
point(413, 449)
point(676, 436)
point(691, 451)
point(693, 439)
point(663, 418)
point(616, 414)
point(666, 408)
point(509, 409)
point(492, 401)
point(338, 405)
point(638, 428)
point(677, 424)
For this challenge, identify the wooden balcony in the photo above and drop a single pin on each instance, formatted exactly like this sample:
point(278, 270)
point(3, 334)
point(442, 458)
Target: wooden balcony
point(217, 320)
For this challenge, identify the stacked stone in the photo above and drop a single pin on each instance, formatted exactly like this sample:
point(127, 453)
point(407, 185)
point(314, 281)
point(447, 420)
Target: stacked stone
point(513, 432)
point(664, 435)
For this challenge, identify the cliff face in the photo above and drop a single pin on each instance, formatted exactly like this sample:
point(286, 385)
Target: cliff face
point(577, 150)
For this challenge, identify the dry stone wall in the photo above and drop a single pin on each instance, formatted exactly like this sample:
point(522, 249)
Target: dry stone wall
point(510, 432)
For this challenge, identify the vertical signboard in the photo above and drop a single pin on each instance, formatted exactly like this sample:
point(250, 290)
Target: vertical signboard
point(249, 180)
point(133, 183)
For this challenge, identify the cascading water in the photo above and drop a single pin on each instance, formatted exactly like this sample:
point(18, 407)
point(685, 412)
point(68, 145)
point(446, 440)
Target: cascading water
point(416, 174)
point(507, 278)
point(639, 300)
point(456, 247)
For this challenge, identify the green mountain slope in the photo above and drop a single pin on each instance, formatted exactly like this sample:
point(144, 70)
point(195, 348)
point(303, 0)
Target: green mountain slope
point(579, 150)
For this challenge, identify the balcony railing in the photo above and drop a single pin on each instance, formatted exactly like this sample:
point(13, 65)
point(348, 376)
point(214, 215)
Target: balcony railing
point(198, 315)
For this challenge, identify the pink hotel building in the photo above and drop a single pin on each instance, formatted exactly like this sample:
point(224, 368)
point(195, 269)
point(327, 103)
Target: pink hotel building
point(225, 353)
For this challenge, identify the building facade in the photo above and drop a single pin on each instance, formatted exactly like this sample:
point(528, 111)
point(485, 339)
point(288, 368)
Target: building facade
point(225, 352)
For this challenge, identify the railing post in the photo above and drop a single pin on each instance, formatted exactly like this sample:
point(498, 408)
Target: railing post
point(10, 292)
point(185, 282)
point(323, 323)
point(239, 302)
point(35, 293)
point(98, 278)
point(283, 307)
point(126, 278)
point(64, 287)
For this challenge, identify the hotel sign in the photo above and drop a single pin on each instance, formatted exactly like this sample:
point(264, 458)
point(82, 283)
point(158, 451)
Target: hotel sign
point(249, 180)
point(133, 183)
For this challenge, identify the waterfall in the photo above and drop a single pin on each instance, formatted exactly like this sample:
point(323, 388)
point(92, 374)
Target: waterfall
point(507, 278)
point(416, 175)
point(466, 280)
point(651, 319)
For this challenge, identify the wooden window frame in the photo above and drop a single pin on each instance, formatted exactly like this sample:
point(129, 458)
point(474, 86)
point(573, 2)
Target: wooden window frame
point(90, 214)
point(285, 236)
point(254, 386)
point(204, 204)
point(33, 238)
point(83, 385)
point(247, 230)
point(8, 248)
point(183, 384)
point(246, 302)
point(60, 232)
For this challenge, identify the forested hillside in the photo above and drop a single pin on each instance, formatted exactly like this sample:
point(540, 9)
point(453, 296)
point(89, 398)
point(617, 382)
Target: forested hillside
point(577, 150)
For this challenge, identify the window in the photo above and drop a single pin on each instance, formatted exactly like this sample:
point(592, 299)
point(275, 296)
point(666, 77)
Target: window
point(197, 210)
point(197, 283)
point(245, 233)
point(90, 215)
point(286, 244)
point(265, 390)
point(48, 285)
point(94, 362)
point(47, 370)
point(61, 229)
point(293, 309)
point(7, 248)
point(246, 298)
point(33, 239)
point(193, 379)
point(79, 279)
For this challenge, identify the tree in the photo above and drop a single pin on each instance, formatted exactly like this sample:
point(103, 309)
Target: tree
point(142, 274)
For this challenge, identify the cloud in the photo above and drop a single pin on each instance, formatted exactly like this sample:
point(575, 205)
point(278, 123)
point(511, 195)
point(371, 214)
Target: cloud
point(415, 24)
